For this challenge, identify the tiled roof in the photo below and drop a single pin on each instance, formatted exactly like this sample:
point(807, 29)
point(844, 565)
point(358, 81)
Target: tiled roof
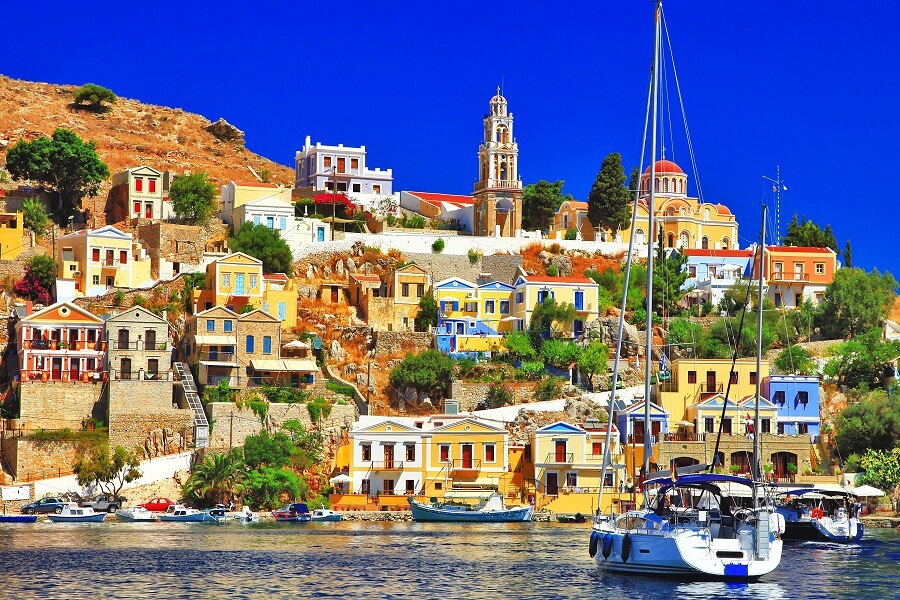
point(366, 277)
point(436, 199)
point(540, 279)
point(722, 253)
point(799, 249)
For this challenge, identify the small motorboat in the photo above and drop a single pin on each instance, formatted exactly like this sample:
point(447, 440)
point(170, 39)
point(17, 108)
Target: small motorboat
point(245, 515)
point(72, 513)
point(488, 507)
point(576, 518)
point(182, 514)
point(820, 515)
point(138, 514)
point(18, 518)
point(325, 515)
point(297, 512)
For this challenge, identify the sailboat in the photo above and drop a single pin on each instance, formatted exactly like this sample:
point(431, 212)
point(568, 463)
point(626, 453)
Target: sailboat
point(697, 524)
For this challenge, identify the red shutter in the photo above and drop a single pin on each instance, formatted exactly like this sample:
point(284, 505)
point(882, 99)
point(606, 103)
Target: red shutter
point(138, 184)
point(151, 186)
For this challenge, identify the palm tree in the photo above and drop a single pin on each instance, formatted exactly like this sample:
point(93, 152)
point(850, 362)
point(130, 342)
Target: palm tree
point(216, 479)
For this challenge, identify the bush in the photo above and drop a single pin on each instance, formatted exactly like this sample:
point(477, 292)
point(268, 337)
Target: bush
point(428, 371)
point(390, 220)
point(572, 233)
point(140, 300)
point(412, 221)
point(474, 256)
point(533, 369)
point(549, 389)
point(465, 367)
point(438, 246)
point(282, 394)
point(340, 388)
point(94, 94)
point(497, 396)
point(319, 408)
point(34, 215)
point(552, 271)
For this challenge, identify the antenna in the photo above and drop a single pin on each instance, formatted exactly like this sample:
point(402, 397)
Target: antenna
point(777, 187)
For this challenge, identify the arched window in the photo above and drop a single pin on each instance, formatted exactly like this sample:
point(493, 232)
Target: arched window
point(670, 241)
point(639, 237)
point(683, 211)
point(683, 239)
point(656, 184)
point(503, 171)
point(670, 212)
point(665, 184)
point(725, 243)
point(706, 214)
point(704, 243)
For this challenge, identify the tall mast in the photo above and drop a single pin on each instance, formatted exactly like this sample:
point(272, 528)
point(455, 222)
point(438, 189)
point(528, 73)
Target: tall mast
point(648, 342)
point(759, 324)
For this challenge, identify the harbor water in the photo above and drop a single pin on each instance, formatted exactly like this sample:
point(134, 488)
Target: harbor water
point(391, 560)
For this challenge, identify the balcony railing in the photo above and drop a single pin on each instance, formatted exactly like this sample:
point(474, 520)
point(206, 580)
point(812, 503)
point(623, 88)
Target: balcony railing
point(60, 375)
point(99, 346)
point(487, 184)
point(787, 276)
point(218, 356)
point(140, 345)
point(464, 464)
point(140, 375)
point(387, 465)
point(560, 458)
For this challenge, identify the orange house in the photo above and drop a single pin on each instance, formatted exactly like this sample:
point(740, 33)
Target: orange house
point(795, 274)
point(573, 213)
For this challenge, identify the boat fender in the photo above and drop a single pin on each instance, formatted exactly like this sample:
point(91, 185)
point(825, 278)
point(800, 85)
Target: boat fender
point(777, 522)
point(817, 513)
point(607, 545)
point(592, 549)
point(626, 547)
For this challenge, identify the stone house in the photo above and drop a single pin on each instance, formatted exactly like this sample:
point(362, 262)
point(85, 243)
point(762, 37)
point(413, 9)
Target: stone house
point(138, 193)
point(139, 346)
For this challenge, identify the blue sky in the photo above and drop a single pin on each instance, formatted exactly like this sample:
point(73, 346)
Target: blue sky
point(811, 87)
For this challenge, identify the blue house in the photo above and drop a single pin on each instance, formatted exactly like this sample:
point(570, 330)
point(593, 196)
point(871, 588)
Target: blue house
point(797, 400)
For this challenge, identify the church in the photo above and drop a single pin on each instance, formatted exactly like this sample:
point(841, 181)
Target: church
point(686, 222)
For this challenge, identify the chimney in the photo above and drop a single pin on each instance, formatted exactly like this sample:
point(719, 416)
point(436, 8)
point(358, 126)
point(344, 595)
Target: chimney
point(29, 307)
point(451, 407)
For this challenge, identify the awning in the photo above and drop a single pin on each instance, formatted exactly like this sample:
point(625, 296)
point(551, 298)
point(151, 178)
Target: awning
point(291, 365)
point(867, 491)
point(504, 319)
point(215, 340)
point(296, 344)
point(342, 478)
point(685, 424)
point(218, 363)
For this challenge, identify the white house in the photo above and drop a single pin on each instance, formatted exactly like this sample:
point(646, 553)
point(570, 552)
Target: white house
point(322, 167)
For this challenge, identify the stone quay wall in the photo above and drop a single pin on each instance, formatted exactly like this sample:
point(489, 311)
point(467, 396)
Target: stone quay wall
point(142, 416)
point(31, 460)
point(60, 404)
point(231, 425)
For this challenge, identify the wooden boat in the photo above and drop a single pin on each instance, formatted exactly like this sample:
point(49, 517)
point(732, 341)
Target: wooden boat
point(820, 515)
point(138, 514)
point(181, 514)
point(325, 514)
point(576, 518)
point(296, 512)
point(469, 507)
point(72, 513)
point(18, 518)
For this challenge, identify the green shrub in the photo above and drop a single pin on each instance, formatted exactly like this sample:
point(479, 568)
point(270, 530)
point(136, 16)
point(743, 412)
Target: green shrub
point(282, 394)
point(533, 369)
point(412, 221)
point(549, 389)
point(319, 408)
point(140, 300)
point(390, 220)
point(552, 271)
point(498, 395)
point(438, 246)
point(572, 233)
point(465, 368)
point(340, 388)
point(474, 256)
point(118, 298)
point(34, 215)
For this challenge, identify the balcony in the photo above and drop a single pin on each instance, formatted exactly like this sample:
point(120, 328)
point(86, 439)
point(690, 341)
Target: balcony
point(147, 346)
point(214, 355)
point(464, 464)
point(387, 465)
point(788, 277)
point(96, 346)
point(495, 184)
point(560, 458)
point(63, 375)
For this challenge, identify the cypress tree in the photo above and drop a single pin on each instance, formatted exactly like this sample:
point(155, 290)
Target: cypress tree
point(608, 200)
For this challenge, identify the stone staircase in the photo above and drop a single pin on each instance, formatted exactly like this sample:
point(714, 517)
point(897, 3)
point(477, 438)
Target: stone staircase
point(201, 425)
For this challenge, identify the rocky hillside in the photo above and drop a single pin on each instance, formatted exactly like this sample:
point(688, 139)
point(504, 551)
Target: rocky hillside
point(132, 133)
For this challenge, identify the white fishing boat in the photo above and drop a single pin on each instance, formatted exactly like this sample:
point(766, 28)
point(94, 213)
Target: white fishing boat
point(469, 507)
point(325, 514)
point(697, 525)
point(181, 514)
point(138, 514)
point(72, 513)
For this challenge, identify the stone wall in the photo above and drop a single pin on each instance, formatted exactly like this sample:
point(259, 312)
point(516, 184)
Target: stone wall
point(142, 415)
point(31, 460)
point(60, 404)
point(471, 394)
point(770, 444)
point(168, 243)
point(394, 342)
point(231, 425)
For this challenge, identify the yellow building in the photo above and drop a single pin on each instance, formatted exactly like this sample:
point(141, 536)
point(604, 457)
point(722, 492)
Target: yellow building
point(695, 379)
point(237, 280)
point(568, 468)
point(472, 317)
point(236, 194)
point(706, 417)
point(11, 230)
point(581, 292)
point(406, 286)
point(391, 458)
point(572, 213)
point(101, 259)
point(686, 222)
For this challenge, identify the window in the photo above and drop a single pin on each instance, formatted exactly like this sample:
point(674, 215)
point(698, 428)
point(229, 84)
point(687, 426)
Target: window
point(366, 487)
point(765, 425)
point(571, 479)
point(210, 325)
point(803, 397)
point(367, 452)
point(148, 210)
point(692, 271)
point(410, 452)
point(596, 448)
point(520, 297)
point(444, 452)
point(404, 289)
point(139, 184)
point(471, 307)
point(410, 487)
point(95, 280)
point(354, 164)
point(123, 257)
point(282, 311)
point(250, 344)
point(137, 208)
point(734, 378)
point(356, 188)
point(256, 219)
point(270, 222)
point(489, 307)
point(376, 189)
point(752, 377)
point(152, 366)
point(692, 376)
point(388, 486)
point(282, 223)
point(207, 305)
point(253, 282)
point(226, 280)
point(228, 325)
point(543, 295)
point(110, 281)
point(709, 424)
point(342, 164)
point(820, 268)
point(504, 307)
point(420, 289)
point(579, 300)
point(326, 161)
point(267, 344)
point(490, 453)
point(95, 254)
point(151, 185)
point(438, 485)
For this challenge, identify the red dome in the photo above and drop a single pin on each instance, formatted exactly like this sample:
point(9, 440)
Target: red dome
point(665, 166)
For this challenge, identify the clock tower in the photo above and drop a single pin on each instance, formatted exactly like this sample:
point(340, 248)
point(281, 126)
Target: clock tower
point(498, 191)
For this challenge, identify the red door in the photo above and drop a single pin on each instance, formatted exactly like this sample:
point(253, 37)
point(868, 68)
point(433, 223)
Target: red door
point(711, 382)
point(560, 451)
point(388, 457)
point(467, 456)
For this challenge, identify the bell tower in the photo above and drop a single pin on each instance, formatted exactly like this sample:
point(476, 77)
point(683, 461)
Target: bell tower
point(498, 191)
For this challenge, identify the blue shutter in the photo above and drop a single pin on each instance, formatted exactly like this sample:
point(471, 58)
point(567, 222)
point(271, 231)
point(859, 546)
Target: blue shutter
point(267, 344)
point(250, 344)
point(282, 311)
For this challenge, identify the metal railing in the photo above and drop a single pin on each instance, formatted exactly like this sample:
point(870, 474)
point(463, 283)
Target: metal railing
point(464, 464)
point(387, 465)
point(218, 356)
point(140, 345)
point(201, 425)
point(98, 346)
point(560, 458)
point(787, 276)
point(61, 375)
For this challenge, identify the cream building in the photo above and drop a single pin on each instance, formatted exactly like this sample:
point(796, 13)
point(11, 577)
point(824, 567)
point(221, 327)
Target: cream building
point(99, 260)
point(498, 191)
point(236, 194)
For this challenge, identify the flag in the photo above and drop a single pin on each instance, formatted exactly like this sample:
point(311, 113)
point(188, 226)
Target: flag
point(784, 187)
point(662, 362)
